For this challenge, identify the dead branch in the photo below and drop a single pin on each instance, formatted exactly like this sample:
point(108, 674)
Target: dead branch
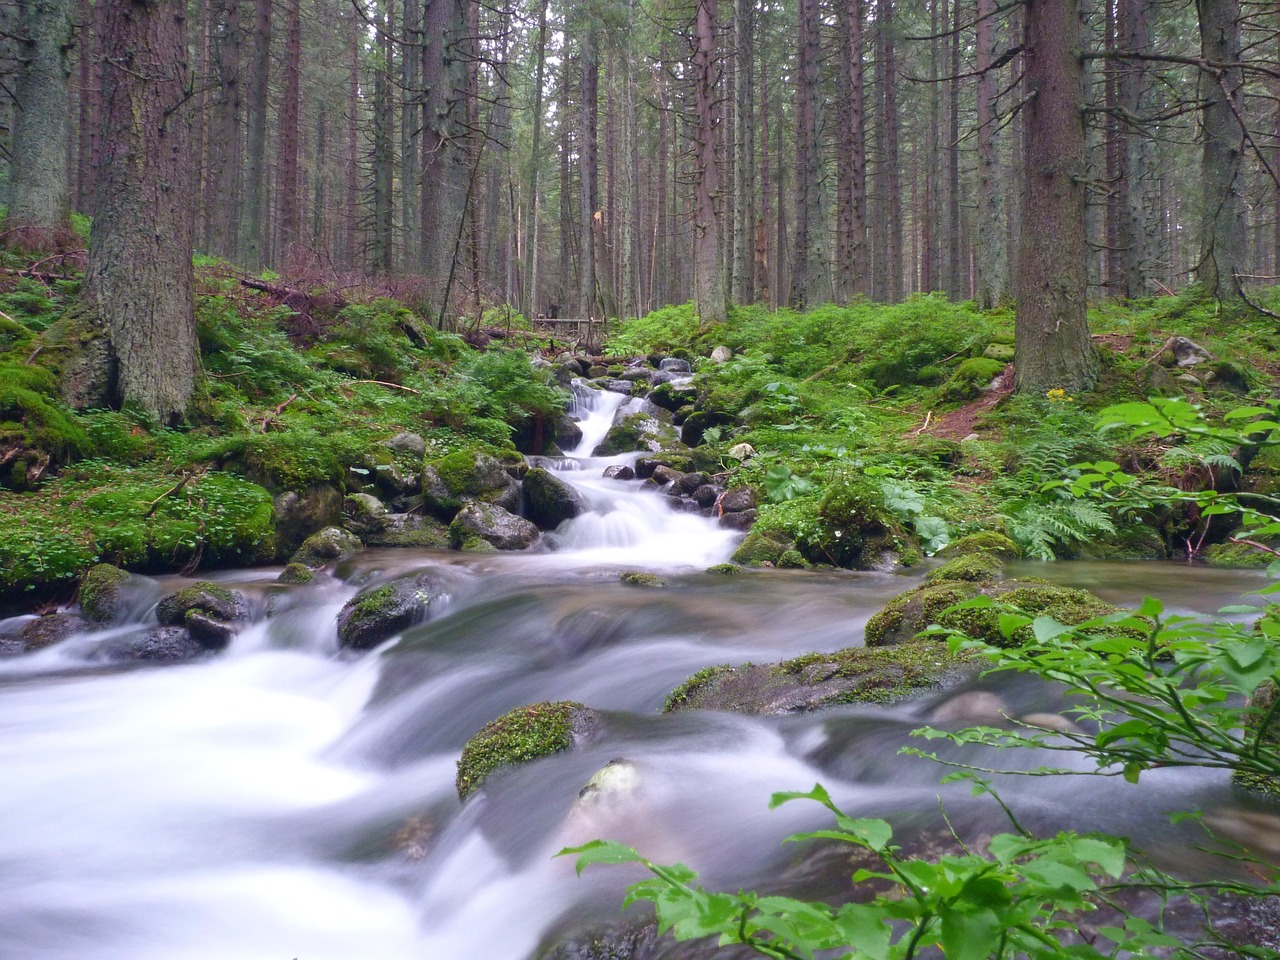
point(186, 478)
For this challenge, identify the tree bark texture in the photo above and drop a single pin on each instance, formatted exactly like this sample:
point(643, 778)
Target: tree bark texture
point(851, 168)
point(992, 254)
point(1052, 345)
point(1223, 237)
point(39, 199)
point(810, 282)
point(255, 180)
point(288, 198)
point(708, 280)
point(138, 282)
point(444, 136)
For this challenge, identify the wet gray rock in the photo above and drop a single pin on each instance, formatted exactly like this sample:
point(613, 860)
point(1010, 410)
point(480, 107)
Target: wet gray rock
point(211, 613)
point(468, 477)
point(49, 629)
point(619, 471)
point(491, 524)
point(365, 515)
point(614, 385)
point(411, 530)
point(299, 515)
point(409, 443)
point(328, 546)
point(378, 613)
point(674, 365)
point(707, 494)
point(103, 593)
point(551, 501)
point(738, 500)
point(721, 354)
point(567, 432)
point(161, 645)
point(739, 521)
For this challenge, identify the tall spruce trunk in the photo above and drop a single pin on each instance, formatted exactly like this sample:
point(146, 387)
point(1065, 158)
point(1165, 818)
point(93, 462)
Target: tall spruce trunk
point(529, 300)
point(381, 246)
point(892, 160)
point(88, 106)
point(708, 281)
point(851, 168)
point(444, 137)
point(1141, 256)
point(810, 281)
point(588, 173)
point(39, 198)
point(744, 133)
point(138, 282)
point(1052, 349)
point(992, 254)
point(252, 224)
point(287, 191)
point(410, 154)
point(223, 183)
point(1223, 237)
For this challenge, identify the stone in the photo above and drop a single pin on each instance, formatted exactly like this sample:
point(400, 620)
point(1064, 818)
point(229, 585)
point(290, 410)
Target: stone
point(327, 546)
point(707, 495)
point(697, 424)
point(721, 354)
point(296, 573)
point(523, 735)
point(160, 644)
point(409, 443)
point(999, 351)
point(379, 613)
point(674, 365)
point(739, 521)
point(614, 385)
point(551, 501)
point(1187, 353)
point(491, 524)
point(619, 471)
point(467, 476)
point(45, 631)
point(211, 613)
point(742, 451)
point(818, 680)
point(668, 396)
point(692, 481)
point(365, 515)
point(102, 593)
point(636, 431)
point(299, 515)
point(411, 530)
point(738, 499)
point(567, 432)
point(663, 475)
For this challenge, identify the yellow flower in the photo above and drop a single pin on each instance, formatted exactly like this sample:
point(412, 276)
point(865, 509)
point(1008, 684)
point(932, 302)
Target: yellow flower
point(1058, 395)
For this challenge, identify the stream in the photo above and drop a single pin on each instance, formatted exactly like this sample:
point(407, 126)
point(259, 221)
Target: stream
point(287, 800)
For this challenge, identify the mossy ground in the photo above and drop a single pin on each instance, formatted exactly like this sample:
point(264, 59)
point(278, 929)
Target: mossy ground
point(524, 734)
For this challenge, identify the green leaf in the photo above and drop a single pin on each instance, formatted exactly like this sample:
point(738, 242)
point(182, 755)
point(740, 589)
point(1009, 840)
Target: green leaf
point(601, 851)
point(970, 935)
point(1047, 628)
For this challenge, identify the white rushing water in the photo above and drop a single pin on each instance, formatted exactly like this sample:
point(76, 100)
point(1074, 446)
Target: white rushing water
point(284, 801)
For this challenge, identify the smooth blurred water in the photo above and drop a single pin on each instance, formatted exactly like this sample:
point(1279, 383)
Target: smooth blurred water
point(284, 800)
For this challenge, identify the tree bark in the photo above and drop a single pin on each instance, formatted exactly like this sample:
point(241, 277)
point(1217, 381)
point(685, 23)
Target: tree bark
point(138, 282)
point(287, 195)
point(993, 262)
point(222, 186)
point(39, 198)
point(1223, 225)
point(743, 274)
point(892, 161)
point(851, 168)
point(1143, 213)
point(444, 136)
point(1052, 349)
point(588, 196)
point(810, 283)
point(252, 223)
point(708, 280)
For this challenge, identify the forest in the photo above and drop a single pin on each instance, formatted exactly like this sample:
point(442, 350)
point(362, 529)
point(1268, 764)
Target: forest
point(440, 440)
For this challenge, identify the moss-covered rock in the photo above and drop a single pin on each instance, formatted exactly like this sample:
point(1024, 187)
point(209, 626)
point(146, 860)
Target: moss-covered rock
point(157, 645)
point(909, 613)
point(793, 560)
point(672, 397)
point(364, 515)
point(970, 378)
point(411, 530)
point(852, 527)
point(102, 592)
point(970, 566)
point(987, 541)
point(299, 514)
point(328, 546)
point(525, 734)
point(211, 613)
point(1132, 541)
point(724, 569)
point(296, 573)
point(467, 476)
point(1261, 703)
point(491, 524)
point(638, 579)
point(763, 546)
point(637, 431)
point(49, 629)
point(376, 614)
point(1237, 555)
point(551, 501)
point(817, 680)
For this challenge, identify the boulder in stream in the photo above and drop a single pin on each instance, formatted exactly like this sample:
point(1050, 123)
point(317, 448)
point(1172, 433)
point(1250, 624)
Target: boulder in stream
point(49, 629)
point(467, 476)
point(525, 734)
point(817, 680)
point(102, 593)
point(329, 545)
point(551, 500)
point(479, 524)
point(381, 612)
point(159, 644)
point(211, 613)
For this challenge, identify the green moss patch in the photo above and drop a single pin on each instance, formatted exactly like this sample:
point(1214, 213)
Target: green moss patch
point(99, 594)
point(987, 541)
point(525, 734)
point(974, 567)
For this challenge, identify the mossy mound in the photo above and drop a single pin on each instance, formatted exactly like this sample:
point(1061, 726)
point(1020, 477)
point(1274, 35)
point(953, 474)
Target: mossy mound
point(1262, 703)
point(853, 527)
point(909, 613)
point(327, 546)
point(100, 593)
point(296, 573)
point(1237, 555)
point(636, 579)
point(969, 379)
point(974, 567)
point(763, 546)
point(376, 614)
point(637, 431)
point(204, 597)
point(49, 629)
point(524, 734)
point(490, 524)
point(724, 569)
point(817, 680)
point(467, 476)
point(987, 541)
point(551, 501)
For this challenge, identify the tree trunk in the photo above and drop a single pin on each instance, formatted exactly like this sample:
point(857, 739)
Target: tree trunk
point(708, 281)
point(993, 263)
point(383, 158)
point(1052, 349)
point(138, 282)
point(410, 154)
point(90, 94)
point(892, 161)
point(351, 216)
point(1222, 203)
point(39, 199)
point(222, 186)
point(810, 284)
point(252, 225)
point(588, 208)
point(851, 169)
point(743, 274)
point(529, 302)
point(444, 136)
point(287, 196)
point(1143, 214)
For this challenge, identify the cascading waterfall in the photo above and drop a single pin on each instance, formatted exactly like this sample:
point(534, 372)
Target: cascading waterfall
point(280, 800)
